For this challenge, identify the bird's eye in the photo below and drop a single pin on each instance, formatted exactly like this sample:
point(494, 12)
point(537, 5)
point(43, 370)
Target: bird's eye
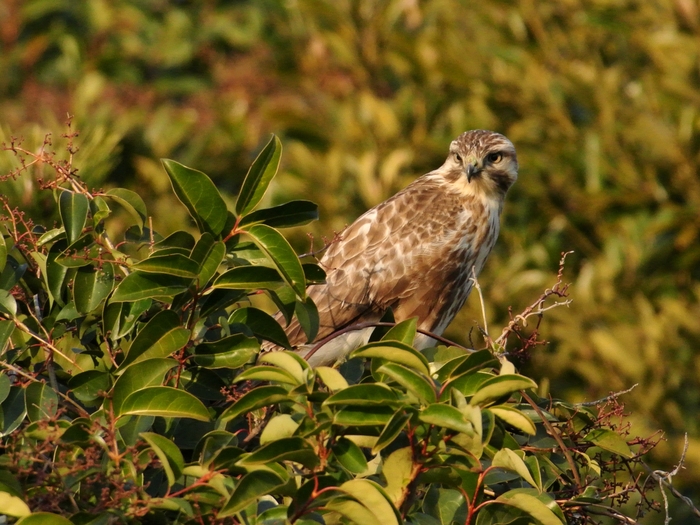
point(494, 157)
point(458, 157)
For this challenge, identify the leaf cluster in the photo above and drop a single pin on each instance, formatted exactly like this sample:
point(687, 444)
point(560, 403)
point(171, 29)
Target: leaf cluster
point(133, 389)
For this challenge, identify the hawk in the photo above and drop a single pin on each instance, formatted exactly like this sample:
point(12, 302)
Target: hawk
point(416, 252)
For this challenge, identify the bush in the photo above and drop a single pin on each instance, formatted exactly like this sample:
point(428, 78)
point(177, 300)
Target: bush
point(133, 390)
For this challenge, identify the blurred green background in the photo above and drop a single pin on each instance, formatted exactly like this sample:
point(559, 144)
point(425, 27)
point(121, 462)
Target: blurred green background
point(600, 97)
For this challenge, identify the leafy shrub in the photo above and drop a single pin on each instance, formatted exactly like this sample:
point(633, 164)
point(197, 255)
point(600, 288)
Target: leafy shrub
point(133, 390)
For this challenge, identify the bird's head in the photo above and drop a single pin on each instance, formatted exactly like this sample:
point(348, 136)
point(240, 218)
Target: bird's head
point(482, 161)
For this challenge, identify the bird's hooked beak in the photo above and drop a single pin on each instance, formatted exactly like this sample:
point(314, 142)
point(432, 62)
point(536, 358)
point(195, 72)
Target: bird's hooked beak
point(473, 169)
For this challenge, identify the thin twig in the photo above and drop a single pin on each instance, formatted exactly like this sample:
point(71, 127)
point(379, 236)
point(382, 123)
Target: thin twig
point(612, 396)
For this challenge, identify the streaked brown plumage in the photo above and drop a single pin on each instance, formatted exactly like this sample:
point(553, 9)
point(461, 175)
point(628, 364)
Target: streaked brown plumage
point(415, 252)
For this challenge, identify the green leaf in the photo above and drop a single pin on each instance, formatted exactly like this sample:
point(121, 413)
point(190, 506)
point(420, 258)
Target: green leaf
point(14, 409)
point(262, 324)
point(44, 518)
point(280, 426)
point(160, 337)
point(99, 209)
point(41, 401)
point(509, 460)
point(447, 505)
point(363, 416)
point(5, 385)
point(199, 195)
point(286, 449)
point(249, 278)
point(350, 456)
point(164, 401)
point(3, 252)
point(256, 398)
point(259, 175)
point(373, 498)
point(91, 286)
point(354, 511)
point(404, 332)
point(8, 304)
point(267, 373)
point(280, 252)
point(73, 208)
point(392, 430)
point(531, 505)
point(174, 264)
point(6, 329)
point(307, 314)
point(366, 394)
point(447, 416)
point(139, 375)
point(169, 455)
point(230, 352)
point(394, 352)
point(13, 506)
point(610, 441)
point(500, 386)
point(333, 379)
point(514, 418)
point(464, 364)
point(89, 385)
point(288, 361)
point(398, 471)
point(252, 486)
point(131, 202)
point(208, 254)
point(294, 213)
point(415, 382)
point(137, 286)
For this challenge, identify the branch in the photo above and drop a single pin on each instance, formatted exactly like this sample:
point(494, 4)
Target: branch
point(612, 396)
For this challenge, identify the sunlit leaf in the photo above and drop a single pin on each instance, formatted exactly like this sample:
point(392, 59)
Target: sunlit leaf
point(73, 208)
point(259, 175)
point(164, 401)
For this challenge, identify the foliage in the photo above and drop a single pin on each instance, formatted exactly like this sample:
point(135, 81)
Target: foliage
point(133, 390)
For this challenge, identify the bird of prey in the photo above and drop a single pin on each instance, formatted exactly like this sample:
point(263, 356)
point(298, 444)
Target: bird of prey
point(416, 252)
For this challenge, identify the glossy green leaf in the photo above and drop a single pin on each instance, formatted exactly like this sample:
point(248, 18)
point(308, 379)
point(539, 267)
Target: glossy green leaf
point(394, 352)
point(509, 460)
point(610, 441)
point(514, 418)
point(367, 394)
point(6, 329)
point(350, 456)
point(353, 511)
point(267, 373)
point(333, 379)
point(14, 410)
point(280, 426)
point(467, 363)
point(446, 505)
point(137, 286)
point(293, 213)
point(374, 498)
point(252, 486)
point(288, 361)
point(89, 385)
point(313, 273)
point(262, 324)
point(531, 505)
point(131, 202)
point(8, 304)
point(120, 318)
point(91, 286)
point(447, 416)
point(500, 386)
point(259, 176)
point(13, 506)
point(413, 381)
point(44, 518)
point(280, 252)
point(160, 337)
point(169, 455)
point(55, 277)
point(99, 210)
point(255, 399)
point(307, 315)
point(73, 208)
point(404, 332)
point(199, 195)
point(41, 401)
point(3, 252)
point(182, 240)
point(391, 430)
point(208, 253)
point(164, 401)
point(5, 385)
point(363, 416)
point(230, 352)
point(150, 372)
point(286, 449)
point(173, 264)
point(249, 278)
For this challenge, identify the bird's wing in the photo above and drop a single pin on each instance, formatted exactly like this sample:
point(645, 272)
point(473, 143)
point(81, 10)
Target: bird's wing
point(403, 254)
